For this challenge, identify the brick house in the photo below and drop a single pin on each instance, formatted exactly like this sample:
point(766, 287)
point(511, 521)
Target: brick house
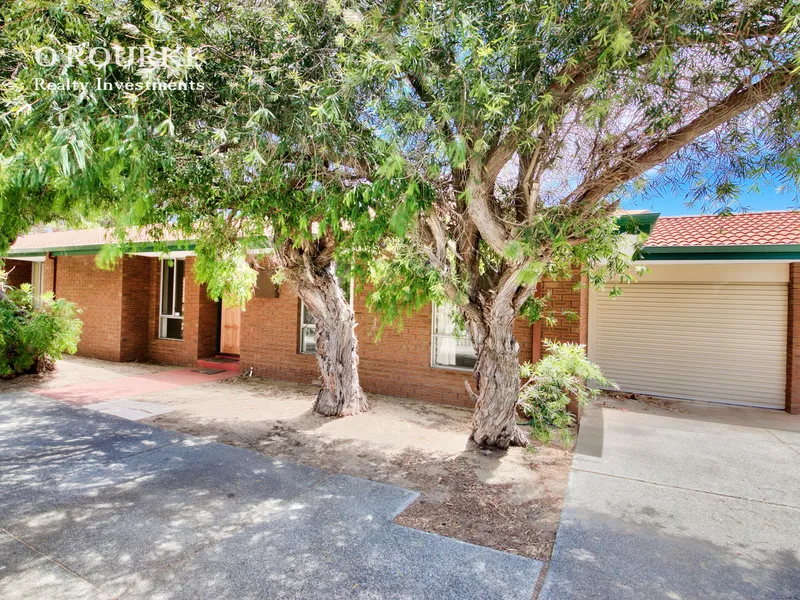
point(714, 319)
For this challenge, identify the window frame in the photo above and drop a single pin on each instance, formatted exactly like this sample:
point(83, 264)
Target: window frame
point(161, 316)
point(301, 326)
point(435, 336)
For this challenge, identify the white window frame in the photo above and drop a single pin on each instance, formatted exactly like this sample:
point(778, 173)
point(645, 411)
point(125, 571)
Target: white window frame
point(162, 317)
point(437, 336)
point(313, 326)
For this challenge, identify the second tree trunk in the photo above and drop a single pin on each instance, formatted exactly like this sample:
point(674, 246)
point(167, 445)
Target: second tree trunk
point(337, 347)
point(494, 421)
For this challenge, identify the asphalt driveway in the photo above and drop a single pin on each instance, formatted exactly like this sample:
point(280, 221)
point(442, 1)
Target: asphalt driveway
point(95, 506)
point(700, 501)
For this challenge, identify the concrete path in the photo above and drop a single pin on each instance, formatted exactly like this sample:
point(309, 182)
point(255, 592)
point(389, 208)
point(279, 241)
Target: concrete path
point(701, 503)
point(114, 396)
point(93, 506)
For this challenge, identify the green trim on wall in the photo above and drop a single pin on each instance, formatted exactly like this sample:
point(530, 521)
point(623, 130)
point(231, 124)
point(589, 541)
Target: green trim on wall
point(773, 252)
point(26, 254)
point(95, 249)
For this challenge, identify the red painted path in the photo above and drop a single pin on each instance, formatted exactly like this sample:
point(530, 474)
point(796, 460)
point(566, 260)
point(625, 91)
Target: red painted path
point(128, 387)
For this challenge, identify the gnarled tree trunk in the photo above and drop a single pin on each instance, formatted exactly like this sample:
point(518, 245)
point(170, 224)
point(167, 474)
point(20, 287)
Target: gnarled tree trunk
point(494, 422)
point(312, 272)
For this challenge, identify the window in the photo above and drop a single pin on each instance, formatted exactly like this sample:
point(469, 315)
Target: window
point(449, 348)
point(170, 326)
point(308, 331)
point(308, 326)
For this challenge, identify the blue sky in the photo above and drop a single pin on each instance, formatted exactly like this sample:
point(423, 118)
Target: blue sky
point(670, 204)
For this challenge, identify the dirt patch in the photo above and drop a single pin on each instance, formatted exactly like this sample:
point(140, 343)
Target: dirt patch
point(510, 501)
point(624, 400)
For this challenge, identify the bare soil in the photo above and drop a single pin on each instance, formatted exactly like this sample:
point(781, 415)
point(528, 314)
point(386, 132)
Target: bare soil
point(625, 401)
point(510, 500)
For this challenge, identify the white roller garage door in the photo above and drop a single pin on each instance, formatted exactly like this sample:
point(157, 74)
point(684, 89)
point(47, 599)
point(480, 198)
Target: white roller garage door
point(723, 342)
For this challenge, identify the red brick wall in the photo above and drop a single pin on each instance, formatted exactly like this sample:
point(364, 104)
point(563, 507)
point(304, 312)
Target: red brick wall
point(399, 364)
point(563, 297)
point(19, 271)
point(207, 325)
point(98, 294)
point(269, 339)
point(200, 321)
point(120, 310)
point(135, 307)
point(793, 354)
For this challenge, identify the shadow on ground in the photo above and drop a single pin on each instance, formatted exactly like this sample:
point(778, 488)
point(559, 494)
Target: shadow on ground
point(95, 506)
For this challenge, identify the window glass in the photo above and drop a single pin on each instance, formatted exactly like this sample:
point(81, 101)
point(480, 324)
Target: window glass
point(171, 311)
point(177, 307)
point(450, 348)
point(308, 331)
point(308, 328)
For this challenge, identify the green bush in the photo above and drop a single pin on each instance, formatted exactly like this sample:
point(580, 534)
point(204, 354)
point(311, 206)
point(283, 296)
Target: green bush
point(33, 337)
point(552, 383)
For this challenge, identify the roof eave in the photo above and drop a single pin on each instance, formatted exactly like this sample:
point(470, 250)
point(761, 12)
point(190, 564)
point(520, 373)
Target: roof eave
point(128, 248)
point(637, 223)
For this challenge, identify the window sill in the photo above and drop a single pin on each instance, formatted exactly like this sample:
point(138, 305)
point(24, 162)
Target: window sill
point(452, 368)
point(163, 339)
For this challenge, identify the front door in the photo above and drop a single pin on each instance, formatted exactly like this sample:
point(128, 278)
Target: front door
point(229, 330)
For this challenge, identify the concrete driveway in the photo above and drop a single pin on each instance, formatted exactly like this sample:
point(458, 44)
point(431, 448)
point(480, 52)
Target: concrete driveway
point(95, 506)
point(699, 501)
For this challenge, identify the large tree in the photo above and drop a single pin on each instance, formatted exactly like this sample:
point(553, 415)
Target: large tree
point(234, 154)
point(530, 119)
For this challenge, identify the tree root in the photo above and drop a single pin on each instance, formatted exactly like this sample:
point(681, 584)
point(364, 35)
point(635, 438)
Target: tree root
point(327, 406)
point(517, 438)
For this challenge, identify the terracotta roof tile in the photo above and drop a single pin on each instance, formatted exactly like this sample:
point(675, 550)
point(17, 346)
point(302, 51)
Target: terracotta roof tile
point(746, 229)
point(77, 238)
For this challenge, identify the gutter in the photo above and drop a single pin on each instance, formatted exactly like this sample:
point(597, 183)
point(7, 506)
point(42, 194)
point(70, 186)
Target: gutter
point(775, 252)
point(95, 249)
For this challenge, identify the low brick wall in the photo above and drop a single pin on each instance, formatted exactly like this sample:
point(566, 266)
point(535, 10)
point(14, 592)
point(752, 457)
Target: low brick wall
point(398, 364)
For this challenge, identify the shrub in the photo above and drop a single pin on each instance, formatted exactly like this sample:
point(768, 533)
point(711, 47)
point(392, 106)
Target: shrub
point(33, 337)
point(552, 383)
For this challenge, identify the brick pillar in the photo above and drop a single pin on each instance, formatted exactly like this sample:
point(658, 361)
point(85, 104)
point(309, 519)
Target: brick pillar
point(793, 347)
point(135, 307)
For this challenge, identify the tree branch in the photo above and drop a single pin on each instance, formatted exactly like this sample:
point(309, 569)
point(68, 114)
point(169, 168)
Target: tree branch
point(733, 105)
